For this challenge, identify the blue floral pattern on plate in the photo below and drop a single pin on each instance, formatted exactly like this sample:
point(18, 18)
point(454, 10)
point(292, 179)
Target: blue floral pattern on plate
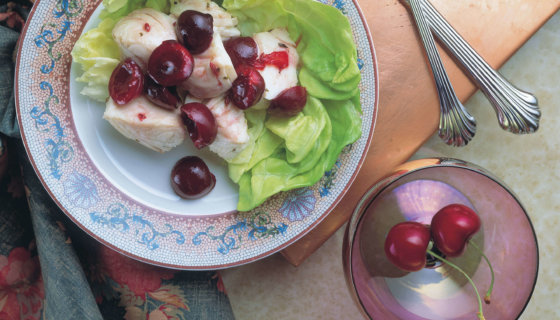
point(81, 191)
point(258, 226)
point(118, 217)
point(59, 151)
point(298, 205)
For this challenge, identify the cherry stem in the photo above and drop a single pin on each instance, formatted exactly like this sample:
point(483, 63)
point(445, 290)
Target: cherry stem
point(479, 314)
point(489, 292)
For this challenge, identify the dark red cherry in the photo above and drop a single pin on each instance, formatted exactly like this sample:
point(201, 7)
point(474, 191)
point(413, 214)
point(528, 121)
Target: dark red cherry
point(170, 64)
point(191, 178)
point(248, 88)
point(161, 96)
point(289, 102)
point(242, 50)
point(200, 123)
point(195, 30)
point(406, 245)
point(452, 227)
point(126, 82)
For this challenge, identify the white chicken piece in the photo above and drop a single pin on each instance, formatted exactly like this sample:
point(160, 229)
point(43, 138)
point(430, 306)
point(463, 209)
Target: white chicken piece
point(233, 134)
point(141, 120)
point(143, 30)
point(213, 72)
point(224, 23)
point(275, 80)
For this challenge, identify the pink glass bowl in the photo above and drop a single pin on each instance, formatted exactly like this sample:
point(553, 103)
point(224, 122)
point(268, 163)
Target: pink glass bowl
point(415, 192)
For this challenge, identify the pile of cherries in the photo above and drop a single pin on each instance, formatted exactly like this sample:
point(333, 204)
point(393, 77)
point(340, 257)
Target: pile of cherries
point(248, 88)
point(409, 245)
point(172, 63)
point(169, 65)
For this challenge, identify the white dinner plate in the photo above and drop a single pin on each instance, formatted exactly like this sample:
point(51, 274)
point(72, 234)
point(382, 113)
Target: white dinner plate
point(119, 192)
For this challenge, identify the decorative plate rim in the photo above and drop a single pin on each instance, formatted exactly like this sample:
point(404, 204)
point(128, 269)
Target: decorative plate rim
point(152, 260)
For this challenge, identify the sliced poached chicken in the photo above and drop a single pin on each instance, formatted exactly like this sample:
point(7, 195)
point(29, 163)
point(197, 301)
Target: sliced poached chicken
point(277, 80)
point(213, 72)
point(140, 32)
point(141, 120)
point(232, 136)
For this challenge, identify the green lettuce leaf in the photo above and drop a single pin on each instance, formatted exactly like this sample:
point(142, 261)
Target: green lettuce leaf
point(265, 146)
point(160, 5)
point(326, 46)
point(295, 152)
point(309, 124)
point(275, 174)
point(98, 55)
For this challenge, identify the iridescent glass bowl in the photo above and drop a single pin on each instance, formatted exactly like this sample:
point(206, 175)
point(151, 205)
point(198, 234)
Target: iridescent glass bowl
point(415, 192)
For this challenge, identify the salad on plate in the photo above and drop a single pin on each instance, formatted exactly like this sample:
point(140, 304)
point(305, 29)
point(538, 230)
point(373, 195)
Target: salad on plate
point(270, 86)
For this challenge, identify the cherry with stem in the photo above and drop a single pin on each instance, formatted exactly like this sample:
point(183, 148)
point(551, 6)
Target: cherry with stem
point(408, 243)
point(452, 227)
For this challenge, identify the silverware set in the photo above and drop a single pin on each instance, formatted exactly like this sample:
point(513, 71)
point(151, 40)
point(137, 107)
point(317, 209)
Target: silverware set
point(517, 110)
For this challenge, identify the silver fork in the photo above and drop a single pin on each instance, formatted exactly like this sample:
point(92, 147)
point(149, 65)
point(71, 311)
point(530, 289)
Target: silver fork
point(517, 110)
point(456, 126)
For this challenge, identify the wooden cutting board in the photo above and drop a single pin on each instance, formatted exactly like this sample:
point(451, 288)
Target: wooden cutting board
point(408, 103)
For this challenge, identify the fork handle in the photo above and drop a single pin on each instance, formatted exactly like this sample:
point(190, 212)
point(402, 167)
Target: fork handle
point(517, 110)
point(456, 127)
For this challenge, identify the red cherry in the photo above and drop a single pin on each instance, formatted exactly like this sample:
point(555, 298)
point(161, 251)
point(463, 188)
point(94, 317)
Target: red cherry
point(191, 178)
point(195, 30)
point(126, 82)
point(161, 96)
point(248, 88)
point(289, 102)
point(242, 50)
point(406, 245)
point(452, 227)
point(200, 123)
point(170, 64)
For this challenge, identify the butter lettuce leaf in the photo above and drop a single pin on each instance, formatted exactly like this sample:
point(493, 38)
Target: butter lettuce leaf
point(296, 152)
point(308, 124)
point(274, 174)
point(98, 55)
point(325, 46)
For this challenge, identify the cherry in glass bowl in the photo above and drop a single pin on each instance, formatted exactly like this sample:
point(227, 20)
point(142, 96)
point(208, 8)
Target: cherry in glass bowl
point(415, 192)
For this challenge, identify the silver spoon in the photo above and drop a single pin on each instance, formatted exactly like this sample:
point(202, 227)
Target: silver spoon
point(456, 126)
point(517, 111)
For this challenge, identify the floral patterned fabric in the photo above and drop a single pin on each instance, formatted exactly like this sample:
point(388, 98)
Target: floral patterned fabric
point(49, 269)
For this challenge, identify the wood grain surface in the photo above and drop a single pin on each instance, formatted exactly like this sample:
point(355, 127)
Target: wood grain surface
point(408, 103)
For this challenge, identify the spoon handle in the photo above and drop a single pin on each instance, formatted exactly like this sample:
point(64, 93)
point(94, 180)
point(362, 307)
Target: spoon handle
point(456, 126)
point(517, 111)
